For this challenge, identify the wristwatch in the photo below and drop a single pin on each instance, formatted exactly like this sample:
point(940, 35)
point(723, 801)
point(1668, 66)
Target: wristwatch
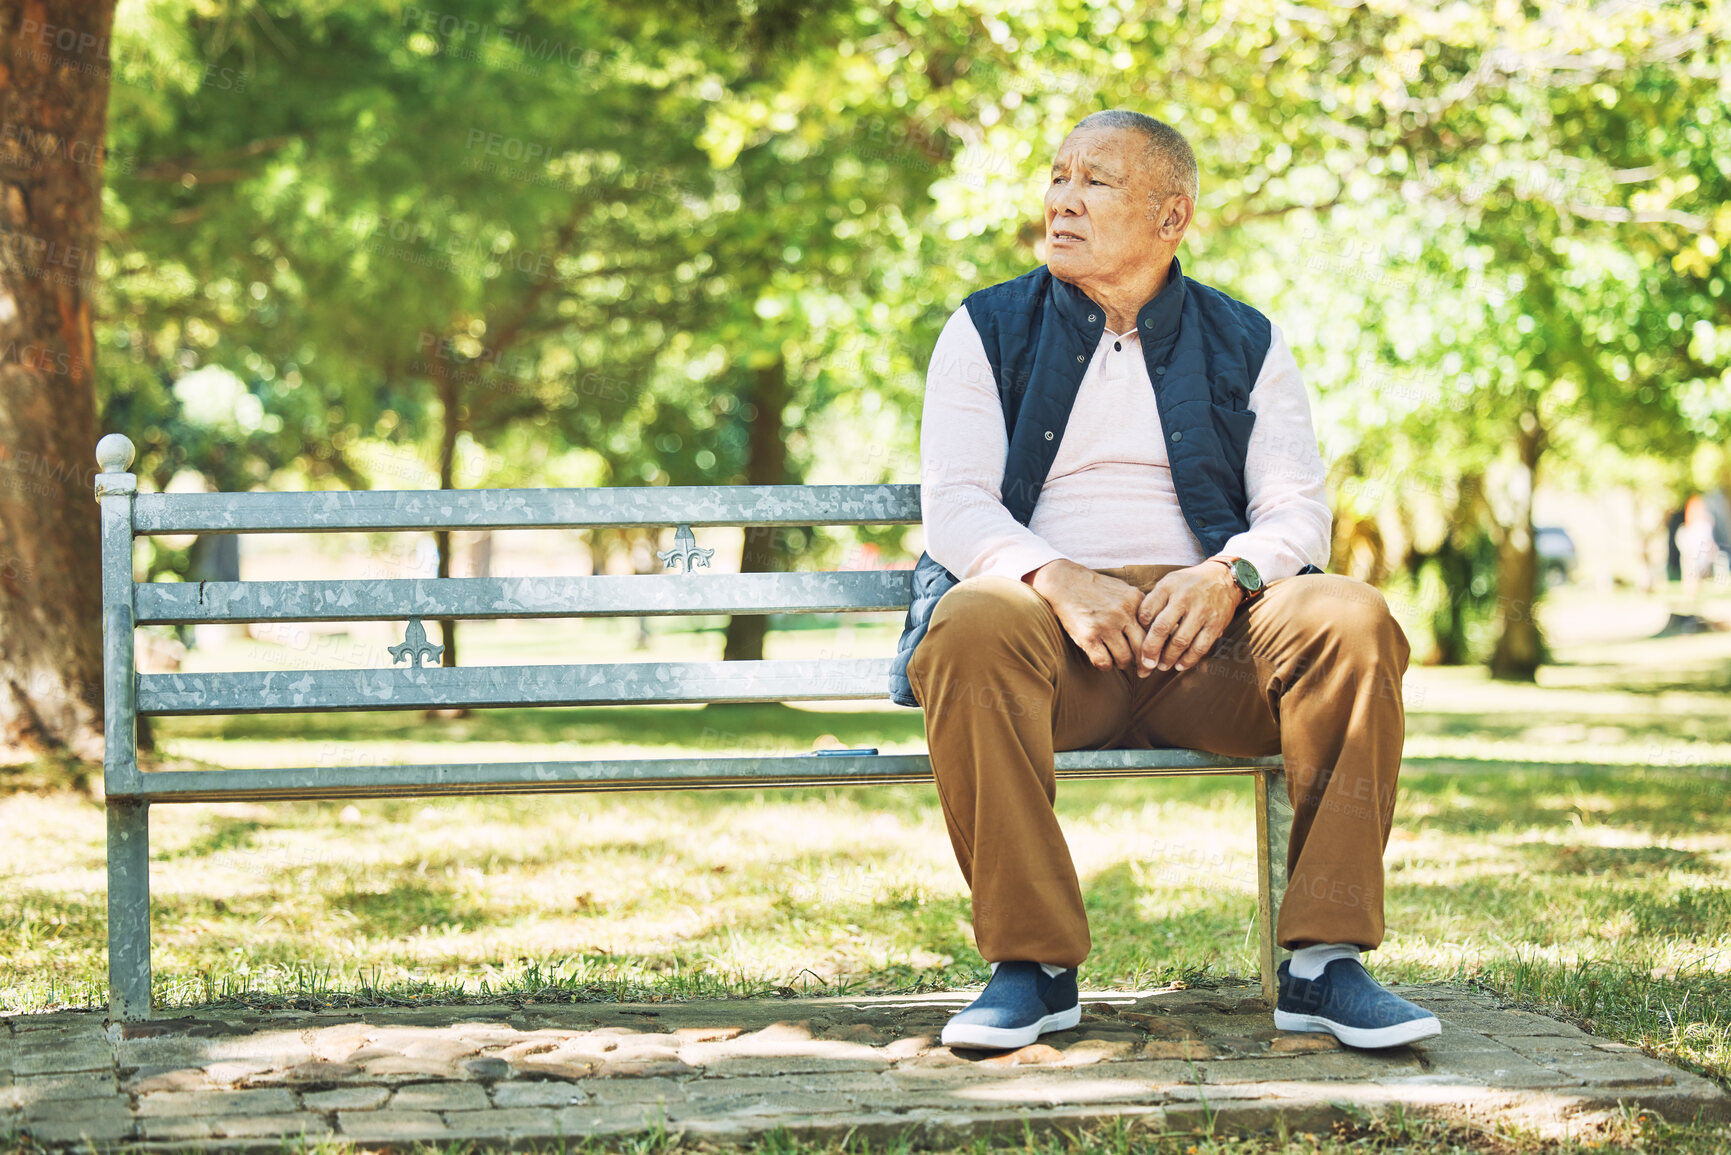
point(1249, 581)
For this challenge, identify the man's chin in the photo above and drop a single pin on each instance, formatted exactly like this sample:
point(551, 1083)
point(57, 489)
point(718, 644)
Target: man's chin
point(1065, 267)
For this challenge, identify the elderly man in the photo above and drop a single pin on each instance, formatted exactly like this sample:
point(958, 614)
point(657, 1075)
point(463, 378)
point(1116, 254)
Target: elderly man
point(1125, 516)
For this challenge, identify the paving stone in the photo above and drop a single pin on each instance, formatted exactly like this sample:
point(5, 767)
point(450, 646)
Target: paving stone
point(558, 1094)
point(506, 1123)
point(1509, 1071)
point(1035, 1054)
point(439, 1097)
point(179, 1079)
point(346, 1099)
point(607, 1118)
point(1364, 1065)
point(1191, 1049)
point(535, 1068)
point(1244, 1116)
point(259, 1101)
point(336, 1043)
point(649, 1069)
point(1621, 1072)
point(200, 1127)
point(861, 1086)
point(486, 1069)
point(314, 1075)
point(1303, 1044)
point(162, 1052)
point(84, 1085)
point(612, 1091)
point(706, 1034)
point(57, 1058)
point(69, 1023)
point(90, 1129)
point(441, 1049)
point(391, 1126)
point(59, 1109)
point(402, 1069)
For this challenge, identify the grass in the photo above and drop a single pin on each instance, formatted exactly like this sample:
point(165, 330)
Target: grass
point(1565, 844)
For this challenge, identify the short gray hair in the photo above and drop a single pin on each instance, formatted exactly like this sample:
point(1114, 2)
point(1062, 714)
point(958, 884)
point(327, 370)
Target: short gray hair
point(1168, 153)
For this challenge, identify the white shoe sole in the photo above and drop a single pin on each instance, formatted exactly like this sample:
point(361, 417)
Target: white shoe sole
point(1364, 1038)
point(1004, 1038)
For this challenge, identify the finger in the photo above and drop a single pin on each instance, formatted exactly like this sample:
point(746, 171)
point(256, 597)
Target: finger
point(1199, 648)
point(1187, 623)
point(1122, 654)
point(1152, 603)
point(1155, 639)
point(1164, 632)
point(1178, 644)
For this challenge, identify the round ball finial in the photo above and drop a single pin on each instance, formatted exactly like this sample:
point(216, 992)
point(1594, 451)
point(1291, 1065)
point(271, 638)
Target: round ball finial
point(115, 453)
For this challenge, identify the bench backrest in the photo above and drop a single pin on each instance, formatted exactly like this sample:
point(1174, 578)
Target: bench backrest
point(683, 590)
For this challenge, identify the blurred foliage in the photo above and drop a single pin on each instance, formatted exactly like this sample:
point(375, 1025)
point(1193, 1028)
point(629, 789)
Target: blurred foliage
point(544, 242)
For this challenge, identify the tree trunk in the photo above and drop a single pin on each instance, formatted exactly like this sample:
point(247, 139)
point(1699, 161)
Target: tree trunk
point(54, 64)
point(1520, 647)
point(765, 464)
point(1457, 560)
point(448, 404)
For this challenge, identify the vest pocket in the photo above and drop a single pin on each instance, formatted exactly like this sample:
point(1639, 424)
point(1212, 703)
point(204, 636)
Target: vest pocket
point(1233, 426)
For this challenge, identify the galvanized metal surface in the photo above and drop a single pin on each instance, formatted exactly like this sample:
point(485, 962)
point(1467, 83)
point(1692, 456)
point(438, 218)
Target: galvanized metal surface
point(596, 684)
point(128, 908)
point(420, 509)
point(726, 772)
point(606, 595)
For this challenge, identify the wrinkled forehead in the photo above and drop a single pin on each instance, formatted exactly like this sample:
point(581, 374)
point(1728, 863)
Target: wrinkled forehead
point(1111, 148)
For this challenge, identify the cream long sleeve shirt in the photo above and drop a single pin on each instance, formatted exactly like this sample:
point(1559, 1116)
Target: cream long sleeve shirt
point(1108, 499)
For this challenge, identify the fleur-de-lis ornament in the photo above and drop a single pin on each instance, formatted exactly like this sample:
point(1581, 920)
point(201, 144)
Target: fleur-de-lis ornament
point(685, 550)
point(415, 646)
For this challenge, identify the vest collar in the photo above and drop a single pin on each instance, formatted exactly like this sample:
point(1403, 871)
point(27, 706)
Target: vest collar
point(1157, 321)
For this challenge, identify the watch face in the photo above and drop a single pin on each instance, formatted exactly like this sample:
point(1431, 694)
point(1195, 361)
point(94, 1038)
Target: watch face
point(1245, 573)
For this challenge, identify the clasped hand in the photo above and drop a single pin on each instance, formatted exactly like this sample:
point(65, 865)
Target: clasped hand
point(1171, 627)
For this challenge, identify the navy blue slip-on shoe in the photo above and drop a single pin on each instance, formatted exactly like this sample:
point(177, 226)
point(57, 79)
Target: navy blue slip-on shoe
point(1020, 1004)
point(1350, 1005)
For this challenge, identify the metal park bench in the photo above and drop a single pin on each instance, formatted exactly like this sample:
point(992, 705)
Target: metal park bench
point(130, 792)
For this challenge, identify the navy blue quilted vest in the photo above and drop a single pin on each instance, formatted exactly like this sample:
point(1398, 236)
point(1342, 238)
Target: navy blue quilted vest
point(1204, 352)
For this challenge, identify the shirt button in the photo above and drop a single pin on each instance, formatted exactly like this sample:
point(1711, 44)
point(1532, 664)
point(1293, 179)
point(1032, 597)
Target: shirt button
point(1148, 324)
point(1178, 435)
point(1203, 522)
point(1081, 360)
point(1118, 345)
point(1161, 370)
point(1092, 317)
point(1048, 435)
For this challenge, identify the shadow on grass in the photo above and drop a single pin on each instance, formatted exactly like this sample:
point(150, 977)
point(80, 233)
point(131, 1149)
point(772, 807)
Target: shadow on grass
point(1460, 796)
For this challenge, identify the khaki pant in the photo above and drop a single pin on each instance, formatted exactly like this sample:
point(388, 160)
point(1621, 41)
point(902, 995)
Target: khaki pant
point(1311, 670)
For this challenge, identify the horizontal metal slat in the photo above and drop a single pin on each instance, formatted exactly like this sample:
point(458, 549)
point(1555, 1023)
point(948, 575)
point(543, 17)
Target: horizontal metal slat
point(619, 506)
point(607, 595)
point(609, 684)
point(642, 774)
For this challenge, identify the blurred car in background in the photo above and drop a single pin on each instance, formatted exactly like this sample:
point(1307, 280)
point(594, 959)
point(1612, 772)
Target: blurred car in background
point(1556, 550)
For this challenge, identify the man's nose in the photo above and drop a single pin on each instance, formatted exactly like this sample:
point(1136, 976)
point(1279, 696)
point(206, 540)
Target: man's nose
point(1065, 200)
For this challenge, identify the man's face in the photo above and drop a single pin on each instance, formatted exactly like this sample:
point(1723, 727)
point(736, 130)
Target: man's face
point(1102, 224)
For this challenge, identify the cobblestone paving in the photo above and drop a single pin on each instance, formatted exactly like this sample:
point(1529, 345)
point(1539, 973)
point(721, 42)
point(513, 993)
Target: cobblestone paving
point(818, 1067)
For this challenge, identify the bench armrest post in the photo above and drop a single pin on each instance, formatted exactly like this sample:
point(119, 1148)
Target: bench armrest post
point(128, 810)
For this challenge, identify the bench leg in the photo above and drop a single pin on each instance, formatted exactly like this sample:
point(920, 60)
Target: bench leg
point(128, 909)
point(1273, 827)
